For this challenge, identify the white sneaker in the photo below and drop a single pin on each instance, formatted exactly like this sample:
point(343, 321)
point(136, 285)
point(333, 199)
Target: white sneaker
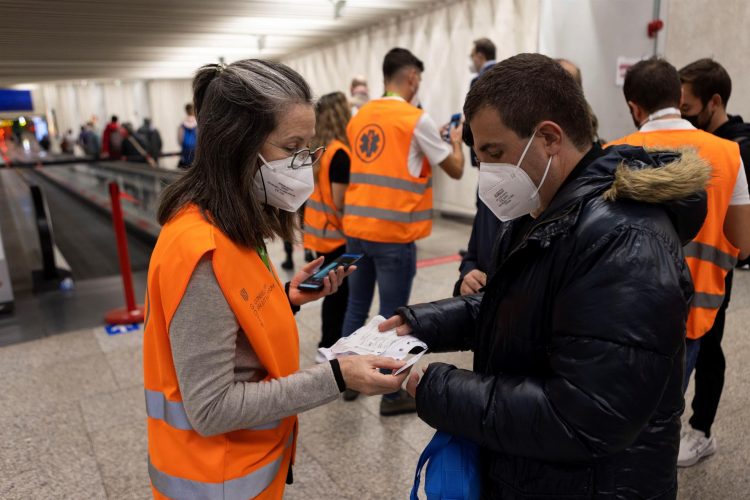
point(694, 445)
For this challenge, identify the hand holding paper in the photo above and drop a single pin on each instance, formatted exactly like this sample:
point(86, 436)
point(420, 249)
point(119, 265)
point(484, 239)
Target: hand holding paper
point(369, 340)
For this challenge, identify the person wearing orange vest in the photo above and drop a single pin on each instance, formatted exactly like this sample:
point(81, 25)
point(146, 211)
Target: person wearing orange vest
point(653, 92)
point(706, 87)
point(222, 379)
point(388, 204)
point(323, 231)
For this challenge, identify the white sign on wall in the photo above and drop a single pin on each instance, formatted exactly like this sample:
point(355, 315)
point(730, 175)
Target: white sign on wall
point(623, 65)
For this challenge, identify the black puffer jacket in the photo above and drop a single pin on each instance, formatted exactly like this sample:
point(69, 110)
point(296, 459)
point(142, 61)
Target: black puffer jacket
point(579, 337)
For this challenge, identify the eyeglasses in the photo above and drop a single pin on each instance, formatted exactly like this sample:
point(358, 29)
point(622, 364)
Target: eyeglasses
point(304, 157)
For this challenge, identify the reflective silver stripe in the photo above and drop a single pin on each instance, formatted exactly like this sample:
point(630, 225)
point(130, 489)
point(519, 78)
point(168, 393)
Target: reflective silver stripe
point(707, 300)
point(330, 234)
point(173, 413)
point(242, 488)
point(390, 215)
point(391, 182)
point(320, 207)
point(711, 254)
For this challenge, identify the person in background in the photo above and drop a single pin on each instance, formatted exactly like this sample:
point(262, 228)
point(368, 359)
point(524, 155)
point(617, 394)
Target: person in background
point(112, 139)
point(220, 346)
point(388, 203)
point(150, 137)
point(68, 142)
point(653, 93)
point(323, 231)
point(359, 93)
point(90, 140)
point(133, 147)
point(575, 72)
point(706, 87)
point(578, 337)
point(187, 137)
point(476, 259)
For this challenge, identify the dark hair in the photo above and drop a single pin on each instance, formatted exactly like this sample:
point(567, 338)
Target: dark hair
point(653, 84)
point(527, 89)
point(189, 108)
point(485, 47)
point(707, 77)
point(114, 119)
point(237, 107)
point(397, 59)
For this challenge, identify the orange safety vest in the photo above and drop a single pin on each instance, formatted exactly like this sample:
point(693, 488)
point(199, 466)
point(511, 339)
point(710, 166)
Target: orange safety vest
point(323, 229)
point(710, 256)
point(384, 202)
point(247, 463)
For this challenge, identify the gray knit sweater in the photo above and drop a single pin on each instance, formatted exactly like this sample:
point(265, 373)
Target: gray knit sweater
point(221, 378)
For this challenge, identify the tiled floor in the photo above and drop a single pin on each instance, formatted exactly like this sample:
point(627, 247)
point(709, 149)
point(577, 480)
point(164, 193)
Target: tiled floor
point(72, 418)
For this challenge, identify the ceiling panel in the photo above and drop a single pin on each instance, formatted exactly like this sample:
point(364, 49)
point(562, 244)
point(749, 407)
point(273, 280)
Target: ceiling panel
point(49, 40)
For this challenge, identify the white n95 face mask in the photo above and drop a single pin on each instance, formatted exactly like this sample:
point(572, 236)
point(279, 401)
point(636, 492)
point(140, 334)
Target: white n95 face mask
point(507, 189)
point(283, 187)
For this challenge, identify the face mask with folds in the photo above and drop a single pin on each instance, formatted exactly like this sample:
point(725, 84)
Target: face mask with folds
point(507, 189)
point(281, 186)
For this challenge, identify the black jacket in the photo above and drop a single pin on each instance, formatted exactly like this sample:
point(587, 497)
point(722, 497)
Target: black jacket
point(737, 130)
point(479, 252)
point(578, 337)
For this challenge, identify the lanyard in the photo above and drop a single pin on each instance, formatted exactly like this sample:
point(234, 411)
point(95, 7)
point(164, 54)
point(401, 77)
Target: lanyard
point(263, 254)
point(391, 94)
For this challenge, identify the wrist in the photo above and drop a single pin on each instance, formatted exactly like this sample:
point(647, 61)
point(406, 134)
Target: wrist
point(338, 375)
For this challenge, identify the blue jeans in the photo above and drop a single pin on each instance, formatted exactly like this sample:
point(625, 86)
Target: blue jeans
point(392, 266)
point(692, 348)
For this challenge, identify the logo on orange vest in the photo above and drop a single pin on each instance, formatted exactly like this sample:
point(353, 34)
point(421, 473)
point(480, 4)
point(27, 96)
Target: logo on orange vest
point(244, 295)
point(370, 143)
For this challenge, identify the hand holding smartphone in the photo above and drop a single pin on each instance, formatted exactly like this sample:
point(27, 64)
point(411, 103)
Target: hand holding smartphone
point(455, 121)
point(315, 282)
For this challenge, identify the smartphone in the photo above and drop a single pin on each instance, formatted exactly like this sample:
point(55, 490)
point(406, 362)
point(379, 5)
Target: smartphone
point(315, 282)
point(454, 122)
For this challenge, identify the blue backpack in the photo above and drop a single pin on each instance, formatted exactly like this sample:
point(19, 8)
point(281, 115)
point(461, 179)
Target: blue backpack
point(452, 469)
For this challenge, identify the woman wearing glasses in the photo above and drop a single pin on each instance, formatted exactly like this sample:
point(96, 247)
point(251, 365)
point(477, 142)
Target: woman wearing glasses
point(221, 348)
point(323, 233)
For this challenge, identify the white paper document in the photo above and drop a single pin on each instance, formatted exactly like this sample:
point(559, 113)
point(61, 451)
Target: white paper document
point(368, 340)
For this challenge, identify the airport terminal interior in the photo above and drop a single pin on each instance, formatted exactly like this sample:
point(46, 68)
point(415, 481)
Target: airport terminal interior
point(97, 122)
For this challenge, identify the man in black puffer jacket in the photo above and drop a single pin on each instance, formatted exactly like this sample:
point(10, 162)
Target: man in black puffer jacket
point(579, 333)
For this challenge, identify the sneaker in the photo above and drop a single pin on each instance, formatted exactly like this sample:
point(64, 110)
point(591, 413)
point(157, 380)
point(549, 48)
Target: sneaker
point(350, 395)
point(694, 445)
point(398, 406)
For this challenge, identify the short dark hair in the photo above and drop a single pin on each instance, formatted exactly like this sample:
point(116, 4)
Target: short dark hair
point(485, 47)
point(189, 108)
point(396, 59)
point(237, 107)
point(653, 84)
point(114, 119)
point(527, 89)
point(707, 77)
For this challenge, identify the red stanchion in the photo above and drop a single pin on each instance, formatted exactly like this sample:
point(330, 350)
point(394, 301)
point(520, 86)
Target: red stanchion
point(131, 313)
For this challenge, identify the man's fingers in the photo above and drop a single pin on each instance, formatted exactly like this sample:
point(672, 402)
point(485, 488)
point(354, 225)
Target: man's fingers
point(403, 330)
point(391, 323)
point(382, 362)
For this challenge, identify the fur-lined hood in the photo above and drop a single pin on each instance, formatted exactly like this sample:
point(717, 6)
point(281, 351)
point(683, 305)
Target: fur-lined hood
point(680, 174)
point(675, 180)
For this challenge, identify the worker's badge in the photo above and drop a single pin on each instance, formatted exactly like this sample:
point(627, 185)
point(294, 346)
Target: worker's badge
point(370, 143)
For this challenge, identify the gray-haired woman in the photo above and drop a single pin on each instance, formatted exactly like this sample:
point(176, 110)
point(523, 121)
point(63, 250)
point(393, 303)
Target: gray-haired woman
point(221, 349)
